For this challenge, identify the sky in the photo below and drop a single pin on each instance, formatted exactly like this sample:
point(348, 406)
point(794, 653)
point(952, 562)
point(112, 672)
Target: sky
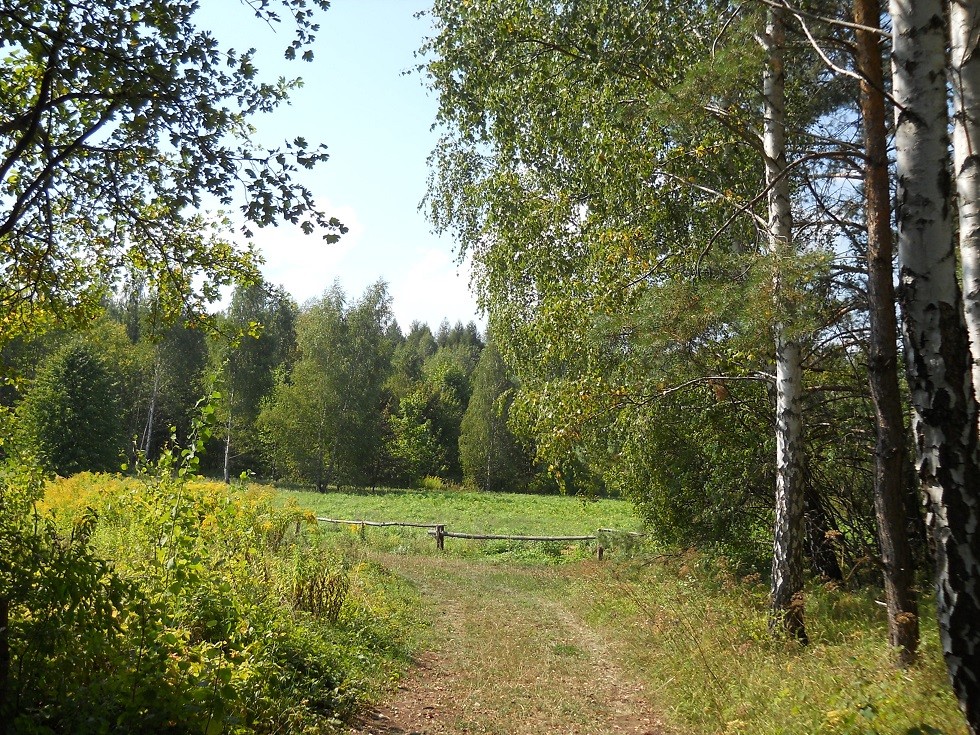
point(376, 121)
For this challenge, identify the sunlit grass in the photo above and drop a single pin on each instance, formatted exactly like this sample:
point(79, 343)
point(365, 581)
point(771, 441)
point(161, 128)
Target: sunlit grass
point(685, 624)
point(473, 512)
point(699, 637)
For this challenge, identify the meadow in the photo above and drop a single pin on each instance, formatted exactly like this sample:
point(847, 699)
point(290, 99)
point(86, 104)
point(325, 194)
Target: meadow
point(689, 626)
point(466, 511)
point(233, 610)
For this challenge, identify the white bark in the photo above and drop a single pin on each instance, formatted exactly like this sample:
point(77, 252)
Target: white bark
point(964, 20)
point(787, 564)
point(936, 340)
point(227, 463)
point(148, 430)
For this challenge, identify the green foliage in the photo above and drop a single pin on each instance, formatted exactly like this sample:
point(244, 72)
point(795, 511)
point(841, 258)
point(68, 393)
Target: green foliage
point(319, 587)
point(172, 386)
point(408, 358)
point(599, 162)
point(72, 413)
point(491, 456)
point(415, 444)
point(257, 337)
point(222, 611)
point(118, 122)
point(323, 420)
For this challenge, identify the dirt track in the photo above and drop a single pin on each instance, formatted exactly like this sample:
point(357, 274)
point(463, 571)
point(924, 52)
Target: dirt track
point(510, 654)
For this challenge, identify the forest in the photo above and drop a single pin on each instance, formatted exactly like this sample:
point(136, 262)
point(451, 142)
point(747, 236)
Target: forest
point(332, 394)
point(729, 260)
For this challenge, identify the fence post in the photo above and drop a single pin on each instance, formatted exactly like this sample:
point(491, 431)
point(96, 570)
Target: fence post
point(440, 537)
point(362, 529)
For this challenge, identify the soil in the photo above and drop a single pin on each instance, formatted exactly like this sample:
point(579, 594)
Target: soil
point(510, 653)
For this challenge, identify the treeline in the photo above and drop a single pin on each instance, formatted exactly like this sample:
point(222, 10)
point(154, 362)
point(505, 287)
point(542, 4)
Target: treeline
point(329, 394)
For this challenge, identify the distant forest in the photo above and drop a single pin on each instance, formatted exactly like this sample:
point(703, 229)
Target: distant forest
point(331, 393)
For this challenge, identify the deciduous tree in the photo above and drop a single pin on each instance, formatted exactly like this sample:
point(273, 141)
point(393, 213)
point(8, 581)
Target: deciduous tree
point(323, 419)
point(936, 339)
point(118, 124)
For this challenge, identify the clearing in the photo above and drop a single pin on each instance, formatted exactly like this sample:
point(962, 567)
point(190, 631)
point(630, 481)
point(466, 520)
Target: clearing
point(510, 653)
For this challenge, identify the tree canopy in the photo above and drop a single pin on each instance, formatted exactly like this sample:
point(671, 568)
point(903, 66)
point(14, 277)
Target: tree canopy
point(119, 125)
point(72, 415)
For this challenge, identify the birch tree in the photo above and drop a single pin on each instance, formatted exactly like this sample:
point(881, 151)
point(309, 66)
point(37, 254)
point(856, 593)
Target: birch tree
point(323, 419)
point(602, 165)
point(787, 560)
point(964, 19)
point(936, 338)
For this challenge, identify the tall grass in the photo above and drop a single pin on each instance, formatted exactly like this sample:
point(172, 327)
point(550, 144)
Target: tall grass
point(688, 625)
point(698, 636)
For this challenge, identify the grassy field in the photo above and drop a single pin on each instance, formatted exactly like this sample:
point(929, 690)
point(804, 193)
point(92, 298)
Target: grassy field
point(479, 513)
point(682, 634)
point(654, 645)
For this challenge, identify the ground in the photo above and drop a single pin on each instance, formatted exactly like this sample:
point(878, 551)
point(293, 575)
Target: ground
point(509, 653)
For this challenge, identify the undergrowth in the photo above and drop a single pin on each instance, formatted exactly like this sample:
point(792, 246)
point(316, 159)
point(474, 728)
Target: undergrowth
point(157, 603)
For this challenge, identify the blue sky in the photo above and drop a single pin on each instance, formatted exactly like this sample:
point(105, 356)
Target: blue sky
point(376, 122)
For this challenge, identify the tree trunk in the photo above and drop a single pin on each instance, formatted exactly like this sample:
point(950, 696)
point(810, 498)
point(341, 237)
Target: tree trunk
point(889, 491)
point(787, 562)
point(964, 19)
point(936, 342)
point(227, 464)
point(148, 432)
point(820, 532)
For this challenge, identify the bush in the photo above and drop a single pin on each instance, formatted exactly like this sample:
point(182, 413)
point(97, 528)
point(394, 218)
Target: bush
point(222, 611)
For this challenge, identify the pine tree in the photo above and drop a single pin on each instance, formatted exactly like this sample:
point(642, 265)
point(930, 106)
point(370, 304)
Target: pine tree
point(72, 414)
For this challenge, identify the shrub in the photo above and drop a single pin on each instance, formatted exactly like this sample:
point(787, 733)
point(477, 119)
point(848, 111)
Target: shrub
point(222, 611)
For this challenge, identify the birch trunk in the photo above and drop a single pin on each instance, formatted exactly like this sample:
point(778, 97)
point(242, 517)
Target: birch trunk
point(227, 464)
point(148, 431)
point(936, 341)
point(889, 496)
point(964, 19)
point(787, 562)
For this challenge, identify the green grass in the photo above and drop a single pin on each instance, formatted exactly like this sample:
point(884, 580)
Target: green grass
point(699, 637)
point(686, 625)
point(475, 512)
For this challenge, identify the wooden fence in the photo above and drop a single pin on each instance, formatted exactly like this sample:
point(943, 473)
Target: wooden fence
point(440, 534)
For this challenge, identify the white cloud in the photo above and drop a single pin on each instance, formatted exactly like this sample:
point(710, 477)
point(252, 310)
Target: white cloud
point(432, 289)
point(305, 265)
point(425, 281)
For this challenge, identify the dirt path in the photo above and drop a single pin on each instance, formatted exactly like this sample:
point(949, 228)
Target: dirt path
point(510, 654)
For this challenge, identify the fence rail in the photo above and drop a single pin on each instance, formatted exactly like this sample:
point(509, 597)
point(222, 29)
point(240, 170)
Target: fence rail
point(440, 534)
point(379, 524)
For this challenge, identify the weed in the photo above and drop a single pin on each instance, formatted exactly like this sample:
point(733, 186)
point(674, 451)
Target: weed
point(319, 587)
